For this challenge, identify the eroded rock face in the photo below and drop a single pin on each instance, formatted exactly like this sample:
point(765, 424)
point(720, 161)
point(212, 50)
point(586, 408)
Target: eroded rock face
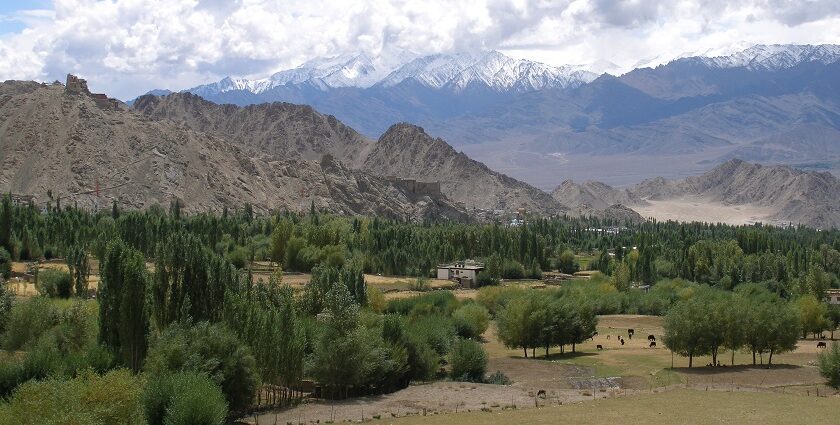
point(51, 141)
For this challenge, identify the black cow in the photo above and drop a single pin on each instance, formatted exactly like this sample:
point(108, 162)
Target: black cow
point(622, 341)
point(630, 333)
point(821, 344)
point(599, 346)
point(541, 394)
point(651, 338)
point(653, 344)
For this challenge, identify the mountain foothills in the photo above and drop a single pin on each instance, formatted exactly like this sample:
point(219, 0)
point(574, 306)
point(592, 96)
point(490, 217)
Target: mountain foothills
point(62, 146)
point(775, 194)
point(404, 151)
point(769, 103)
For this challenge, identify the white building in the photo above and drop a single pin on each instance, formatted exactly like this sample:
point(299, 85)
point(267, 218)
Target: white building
point(464, 272)
point(832, 296)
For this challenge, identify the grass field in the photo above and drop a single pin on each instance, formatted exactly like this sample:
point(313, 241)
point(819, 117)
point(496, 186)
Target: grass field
point(689, 407)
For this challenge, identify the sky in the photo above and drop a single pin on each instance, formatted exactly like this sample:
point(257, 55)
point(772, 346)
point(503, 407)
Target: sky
point(127, 47)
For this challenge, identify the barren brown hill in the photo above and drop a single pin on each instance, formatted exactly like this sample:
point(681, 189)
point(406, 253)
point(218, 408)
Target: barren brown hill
point(404, 151)
point(73, 147)
point(275, 128)
point(770, 194)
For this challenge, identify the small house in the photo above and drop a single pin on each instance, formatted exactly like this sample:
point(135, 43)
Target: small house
point(463, 272)
point(832, 296)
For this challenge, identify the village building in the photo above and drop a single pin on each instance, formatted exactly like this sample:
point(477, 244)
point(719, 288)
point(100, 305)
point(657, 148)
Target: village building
point(463, 272)
point(832, 296)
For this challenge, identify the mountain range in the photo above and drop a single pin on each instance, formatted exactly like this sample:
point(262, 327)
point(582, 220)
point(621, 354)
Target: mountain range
point(543, 124)
point(60, 143)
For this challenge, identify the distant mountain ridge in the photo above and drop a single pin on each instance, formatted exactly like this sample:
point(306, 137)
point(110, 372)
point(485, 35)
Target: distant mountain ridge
point(790, 196)
point(759, 104)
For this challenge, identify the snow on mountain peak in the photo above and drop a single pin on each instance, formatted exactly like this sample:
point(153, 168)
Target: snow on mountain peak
point(774, 57)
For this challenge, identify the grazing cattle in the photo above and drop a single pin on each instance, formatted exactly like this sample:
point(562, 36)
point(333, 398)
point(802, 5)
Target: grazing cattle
point(622, 341)
point(653, 344)
point(599, 346)
point(822, 336)
point(608, 337)
point(821, 344)
point(541, 393)
point(630, 333)
point(651, 338)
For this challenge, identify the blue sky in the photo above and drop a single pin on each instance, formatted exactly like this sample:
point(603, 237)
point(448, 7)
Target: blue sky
point(10, 21)
point(127, 47)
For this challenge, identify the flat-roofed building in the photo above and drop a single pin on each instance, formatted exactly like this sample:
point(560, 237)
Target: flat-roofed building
point(464, 272)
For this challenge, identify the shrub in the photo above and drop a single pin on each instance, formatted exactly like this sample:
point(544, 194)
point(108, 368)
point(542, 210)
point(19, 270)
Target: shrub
point(376, 300)
point(443, 300)
point(55, 283)
point(188, 398)
point(421, 284)
point(468, 360)
point(239, 257)
point(485, 279)
point(512, 270)
point(28, 320)
point(829, 363)
point(471, 320)
point(211, 349)
point(113, 398)
point(498, 378)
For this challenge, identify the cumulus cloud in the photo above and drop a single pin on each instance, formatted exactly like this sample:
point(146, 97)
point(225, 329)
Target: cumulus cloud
point(125, 47)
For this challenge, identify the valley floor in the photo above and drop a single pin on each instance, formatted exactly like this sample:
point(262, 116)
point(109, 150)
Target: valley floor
point(696, 209)
point(629, 384)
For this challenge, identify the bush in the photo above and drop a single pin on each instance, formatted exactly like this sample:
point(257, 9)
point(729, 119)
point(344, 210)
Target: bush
point(211, 349)
point(495, 298)
point(113, 398)
point(55, 283)
point(239, 257)
point(471, 320)
point(498, 378)
point(512, 270)
point(28, 320)
point(829, 363)
point(443, 300)
point(183, 398)
point(421, 284)
point(468, 360)
point(485, 279)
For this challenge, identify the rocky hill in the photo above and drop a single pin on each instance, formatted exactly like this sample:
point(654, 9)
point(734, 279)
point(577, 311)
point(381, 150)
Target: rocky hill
point(82, 150)
point(276, 128)
point(403, 152)
point(406, 151)
point(786, 195)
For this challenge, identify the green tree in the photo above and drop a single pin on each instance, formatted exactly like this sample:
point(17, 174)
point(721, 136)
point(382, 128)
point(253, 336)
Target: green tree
point(123, 308)
point(813, 315)
point(6, 223)
point(468, 360)
point(829, 363)
point(79, 266)
point(211, 349)
point(471, 320)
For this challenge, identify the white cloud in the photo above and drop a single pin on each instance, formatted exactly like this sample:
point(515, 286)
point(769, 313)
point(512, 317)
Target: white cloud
point(125, 47)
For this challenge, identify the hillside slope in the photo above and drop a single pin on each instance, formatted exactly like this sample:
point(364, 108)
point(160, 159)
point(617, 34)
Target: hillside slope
point(404, 151)
point(74, 148)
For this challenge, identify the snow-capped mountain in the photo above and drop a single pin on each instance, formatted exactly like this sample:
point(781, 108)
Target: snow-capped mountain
point(774, 57)
point(454, 71)
point(492, 69)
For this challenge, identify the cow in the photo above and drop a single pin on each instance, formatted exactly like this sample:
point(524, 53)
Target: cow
point(652, 344)
point(622, 341)
point(541, 394)
point(608, 337)
point(599, 346)
point(821, 344)
point(651, 338)
point(630, 333)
